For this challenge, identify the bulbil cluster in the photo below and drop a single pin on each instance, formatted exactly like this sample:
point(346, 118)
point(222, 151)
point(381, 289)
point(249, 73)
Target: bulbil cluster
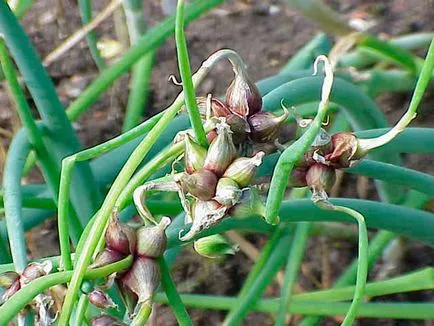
point(42, 304)
point(215, 179)
point(219, 178)
point(242, 110)
point(12, 282)
point(318, 166)
point(138, 284)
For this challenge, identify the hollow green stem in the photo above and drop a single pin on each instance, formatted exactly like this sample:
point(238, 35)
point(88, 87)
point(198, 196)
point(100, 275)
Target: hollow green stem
point(139, 92)
point(360, 59)
point(402, 310)
point(261, 262)
point(376, 248)
point(185, 73)
point(415, 281)
point(251, 294)
point(377, 215)
point(49, 167)
point(411, 140)
point(19, 99)
point(143, 315)
point(80, 313)
point(156, 206)
point(273, 249)
point(421, 86)
point(362, 264)
point(30, 163)
point(419, 181)
point(373, 83)
point(20, 299)
point(85, 7)
point(18, 151)
point(5, 256)
point(142, 70)
point(21, 8)
point(388, 52)
point(389, 173)
point(295, 257)
point(63, 218)
point(34, 202)
point(175, 301)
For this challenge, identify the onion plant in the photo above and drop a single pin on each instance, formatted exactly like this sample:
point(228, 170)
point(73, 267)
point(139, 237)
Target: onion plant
point(227, 160)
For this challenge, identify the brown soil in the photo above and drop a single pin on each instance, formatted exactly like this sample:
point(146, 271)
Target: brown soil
point(266, 34)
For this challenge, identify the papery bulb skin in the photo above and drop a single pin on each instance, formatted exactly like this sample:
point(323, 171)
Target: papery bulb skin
point(205, 214)
point(11, 290)
point(321, 145)
point(34, 271)
point(143, 278)
point(320, 177)
point(100, 299)
point(152, 240)
point(228, 192)
point(120, 237)
point(344, 150)
point(242, 96)
point(243, 169)
point(214, 246)
point(267, 148)
point(106, 257)
point(129, 298)
point(106, 320)
point(221, 151)
point(250, 205)
point(194, 155)
point(58, 293)
point(218, 108)
point(298, 177)
point(322, 141)
point(265, 126)
point(8, 278)
point(210, 136)
point(240, 128)
point(42, 305)
point(201, 184)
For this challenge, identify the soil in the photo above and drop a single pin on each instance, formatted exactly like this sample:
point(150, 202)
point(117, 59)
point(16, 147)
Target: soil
point(266, 34)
